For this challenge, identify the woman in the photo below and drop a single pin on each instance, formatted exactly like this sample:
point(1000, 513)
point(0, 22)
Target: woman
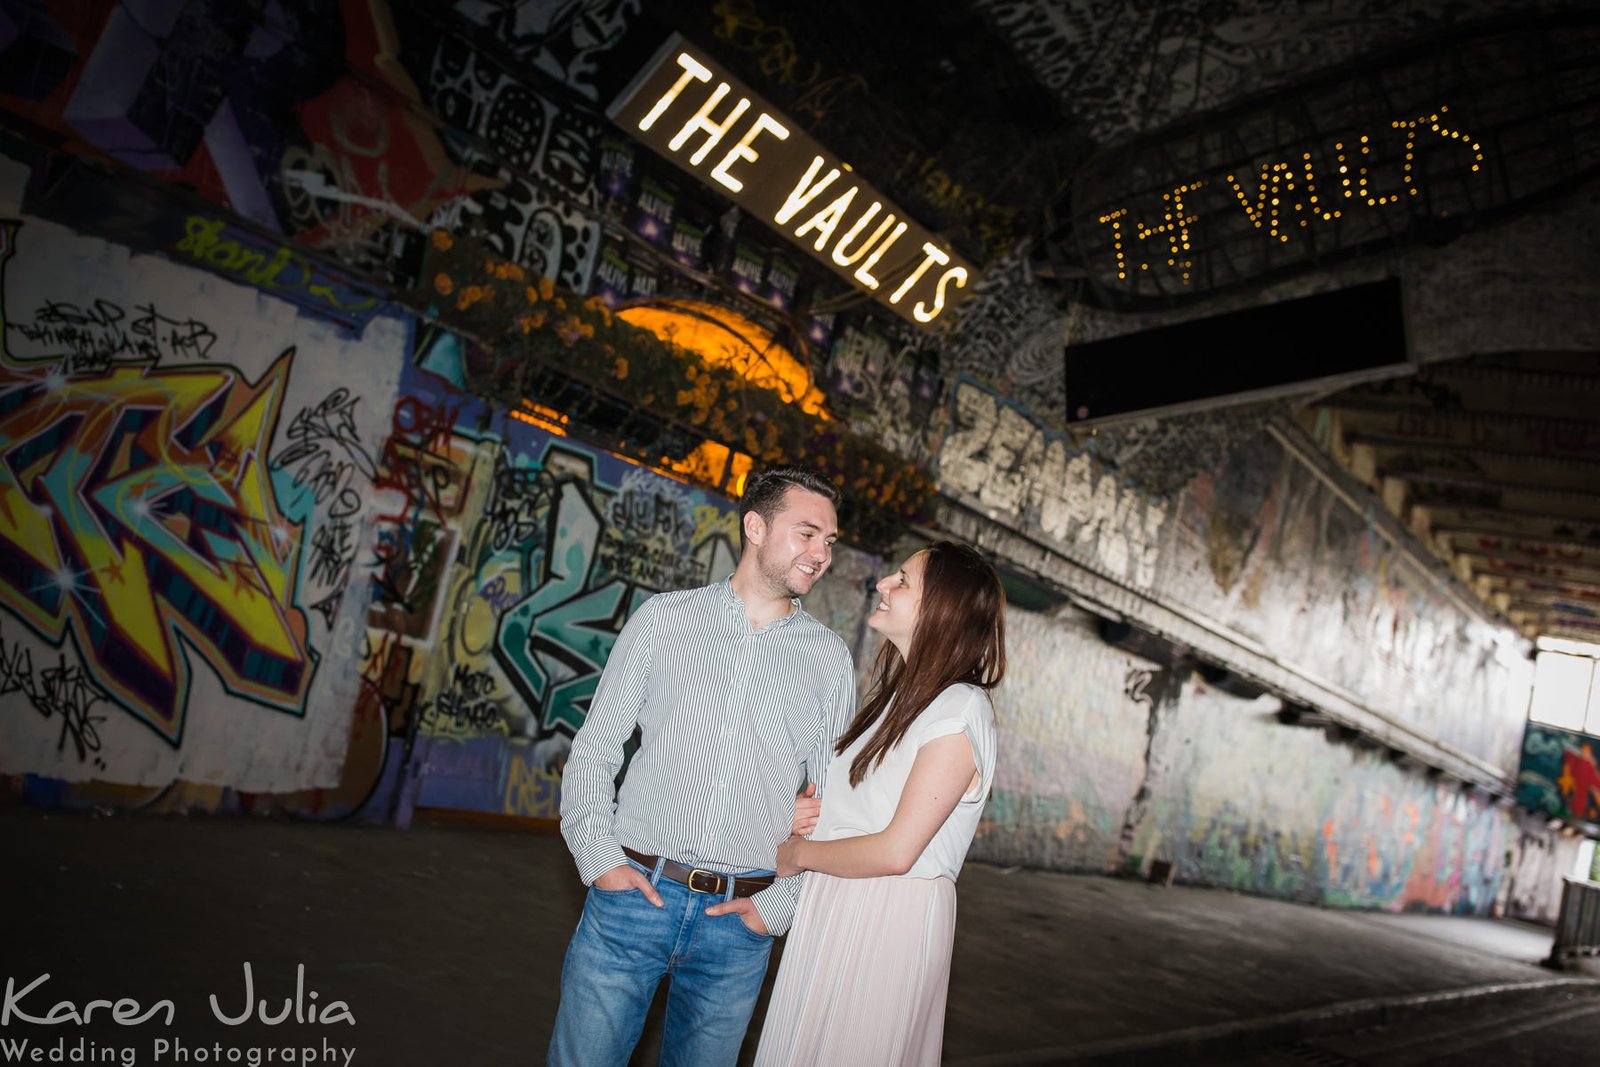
point(867, 964)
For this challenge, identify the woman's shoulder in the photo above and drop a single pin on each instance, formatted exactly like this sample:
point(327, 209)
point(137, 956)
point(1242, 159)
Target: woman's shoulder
point(961, 700)
point(963, 692)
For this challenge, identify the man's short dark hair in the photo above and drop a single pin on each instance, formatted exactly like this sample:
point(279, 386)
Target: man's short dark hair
point(764, 492)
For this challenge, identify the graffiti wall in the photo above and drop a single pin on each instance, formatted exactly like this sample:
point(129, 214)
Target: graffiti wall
point(1073, 749)
point(260, 548)
point(1560, 774)
point(1317, 821)
point(323, 122)
point(539, 560)
point(561, 543)
point(1263, 548)
point(1006, 463)
point(1109, 763)
point(1115, 763)
point(234, 569)
point(238, 577)
point(1280, 557)
point(1537, 864)
point(181, 487)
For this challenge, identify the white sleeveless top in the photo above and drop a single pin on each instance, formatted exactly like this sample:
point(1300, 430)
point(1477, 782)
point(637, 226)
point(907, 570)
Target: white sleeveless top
point(851, 811)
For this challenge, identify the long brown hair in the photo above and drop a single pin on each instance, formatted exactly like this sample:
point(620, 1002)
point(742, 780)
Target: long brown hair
point(960, 636)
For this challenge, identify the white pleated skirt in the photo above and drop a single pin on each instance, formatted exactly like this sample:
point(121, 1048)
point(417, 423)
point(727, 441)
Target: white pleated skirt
point(864, 976)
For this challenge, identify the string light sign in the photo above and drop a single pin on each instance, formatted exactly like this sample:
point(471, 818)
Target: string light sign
point(1280, 200)
point(694, 113)
point(1336, 168)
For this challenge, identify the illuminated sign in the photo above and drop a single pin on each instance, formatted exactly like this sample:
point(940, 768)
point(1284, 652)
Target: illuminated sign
point(1405, 148)
point(708, 123)
point(1292, 200)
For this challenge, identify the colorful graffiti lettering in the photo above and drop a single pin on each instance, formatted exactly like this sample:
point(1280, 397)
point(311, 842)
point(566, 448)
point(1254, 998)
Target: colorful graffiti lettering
point(555, 642)
point(1559, 774)
point(531, 791)
point(275, 269)
point(135, 507)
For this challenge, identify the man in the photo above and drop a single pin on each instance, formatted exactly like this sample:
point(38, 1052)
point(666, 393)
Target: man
point(739, 695)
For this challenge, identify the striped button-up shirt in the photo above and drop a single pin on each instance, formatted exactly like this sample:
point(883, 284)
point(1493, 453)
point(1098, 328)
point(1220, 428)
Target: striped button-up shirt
point(733, 722)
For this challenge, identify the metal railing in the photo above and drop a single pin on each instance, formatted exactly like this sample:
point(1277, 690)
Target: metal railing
point(1578, 927)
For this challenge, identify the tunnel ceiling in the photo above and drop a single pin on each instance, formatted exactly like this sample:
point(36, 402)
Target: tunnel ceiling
point(1490, 455)
point(1117, 166)
point(1490, 461)
point(1018, 129)
point(1025, 126)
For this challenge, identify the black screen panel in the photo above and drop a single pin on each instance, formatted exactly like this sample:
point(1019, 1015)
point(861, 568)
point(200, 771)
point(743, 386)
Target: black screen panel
point(1331, 339)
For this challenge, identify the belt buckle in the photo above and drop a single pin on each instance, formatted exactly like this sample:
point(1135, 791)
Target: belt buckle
point(716, 881)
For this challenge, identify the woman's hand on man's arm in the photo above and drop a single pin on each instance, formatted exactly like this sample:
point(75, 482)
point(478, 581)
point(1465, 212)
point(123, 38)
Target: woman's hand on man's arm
point(942, 773)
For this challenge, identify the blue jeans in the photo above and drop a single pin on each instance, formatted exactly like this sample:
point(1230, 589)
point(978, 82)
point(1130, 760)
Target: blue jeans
point(625, 945)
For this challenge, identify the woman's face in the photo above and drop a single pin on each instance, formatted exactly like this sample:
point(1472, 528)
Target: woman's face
point(899, 597)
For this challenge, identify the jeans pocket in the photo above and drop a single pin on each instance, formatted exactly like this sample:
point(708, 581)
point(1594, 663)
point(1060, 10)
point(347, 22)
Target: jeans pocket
point(622, 918)
point(616, 894)
point(744, 928)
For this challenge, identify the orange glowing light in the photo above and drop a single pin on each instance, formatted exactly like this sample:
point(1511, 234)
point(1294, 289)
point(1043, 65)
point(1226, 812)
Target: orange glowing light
point(723, 337)
point(707, 463)
point(542, 417)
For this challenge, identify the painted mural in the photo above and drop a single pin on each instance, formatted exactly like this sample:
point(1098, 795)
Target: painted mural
point(560, 544)
point(160, 584)
point(503, 620)
point(260, 550)
point(1560, 774)
point(1264, 548)
point(1109, 763)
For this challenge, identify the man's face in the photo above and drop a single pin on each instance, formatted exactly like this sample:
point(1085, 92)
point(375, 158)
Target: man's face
point(797, 545)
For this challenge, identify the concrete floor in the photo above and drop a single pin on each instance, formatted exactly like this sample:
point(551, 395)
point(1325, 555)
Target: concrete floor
point(446, 944)
point(1553, 1026)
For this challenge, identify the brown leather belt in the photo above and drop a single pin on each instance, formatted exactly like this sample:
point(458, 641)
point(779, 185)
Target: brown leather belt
point(700, 880)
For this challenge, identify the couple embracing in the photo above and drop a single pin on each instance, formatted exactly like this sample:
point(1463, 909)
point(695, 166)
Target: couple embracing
point(740, 697)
